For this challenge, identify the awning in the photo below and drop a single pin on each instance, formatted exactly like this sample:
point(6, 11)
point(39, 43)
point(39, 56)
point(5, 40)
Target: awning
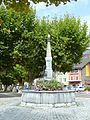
point(74, 80)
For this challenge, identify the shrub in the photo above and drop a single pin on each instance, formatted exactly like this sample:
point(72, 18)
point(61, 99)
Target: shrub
point(49, 85)
point(87, 88)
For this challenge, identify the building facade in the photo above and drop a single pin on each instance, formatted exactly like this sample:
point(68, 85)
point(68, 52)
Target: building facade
point(80, 75)
point(61, 77)
point(74, 77)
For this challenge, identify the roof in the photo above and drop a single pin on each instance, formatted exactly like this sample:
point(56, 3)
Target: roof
point(83, 63)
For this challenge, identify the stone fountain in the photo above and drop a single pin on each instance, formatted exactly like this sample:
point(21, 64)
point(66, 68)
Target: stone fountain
point(48, 98)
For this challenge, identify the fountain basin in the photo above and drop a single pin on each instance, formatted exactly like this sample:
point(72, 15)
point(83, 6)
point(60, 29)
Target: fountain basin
point(47, 97)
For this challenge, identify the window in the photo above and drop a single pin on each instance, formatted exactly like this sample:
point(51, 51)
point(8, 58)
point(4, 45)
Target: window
point(71, 78)
point(60, 79)
point(64, 79)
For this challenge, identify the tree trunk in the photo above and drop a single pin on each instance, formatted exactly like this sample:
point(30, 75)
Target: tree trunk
point(5, 88)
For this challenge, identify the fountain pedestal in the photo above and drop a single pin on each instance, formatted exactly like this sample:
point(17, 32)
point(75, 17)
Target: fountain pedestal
point(48, 70)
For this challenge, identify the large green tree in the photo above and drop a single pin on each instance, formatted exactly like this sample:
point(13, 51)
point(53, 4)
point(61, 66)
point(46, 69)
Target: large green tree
point(31, 51)
point(12, 27)
point(19, 73)
point(69, 40)
point(23, 40)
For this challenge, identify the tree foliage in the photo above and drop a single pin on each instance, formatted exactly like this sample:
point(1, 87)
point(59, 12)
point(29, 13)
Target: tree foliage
point(12, 27)
point(69, 40)
point(23, 42)
point(18, 5)
point(20, 74)
point(21, 5)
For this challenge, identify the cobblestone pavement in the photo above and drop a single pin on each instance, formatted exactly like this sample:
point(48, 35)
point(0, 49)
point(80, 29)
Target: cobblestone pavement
point(10, 109)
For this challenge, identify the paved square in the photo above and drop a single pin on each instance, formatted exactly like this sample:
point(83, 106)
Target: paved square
point(10, 109)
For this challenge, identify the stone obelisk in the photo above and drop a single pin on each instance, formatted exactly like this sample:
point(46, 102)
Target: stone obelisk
point(48, 70)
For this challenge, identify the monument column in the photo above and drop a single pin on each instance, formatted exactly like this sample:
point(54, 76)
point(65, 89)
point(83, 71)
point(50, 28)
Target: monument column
point(48, 70)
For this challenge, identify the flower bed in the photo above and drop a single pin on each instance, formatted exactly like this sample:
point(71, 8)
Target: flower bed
point(51, 85)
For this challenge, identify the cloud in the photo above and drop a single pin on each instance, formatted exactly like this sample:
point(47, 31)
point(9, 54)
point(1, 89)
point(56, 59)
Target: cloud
point(42, 6)
point(39, 6)
point(52, 10)
point(83, 2)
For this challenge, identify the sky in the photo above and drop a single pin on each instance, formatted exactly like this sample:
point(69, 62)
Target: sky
point(79, 9)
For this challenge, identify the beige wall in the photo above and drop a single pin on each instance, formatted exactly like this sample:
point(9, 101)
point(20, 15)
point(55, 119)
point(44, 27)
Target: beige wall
point(61, 77)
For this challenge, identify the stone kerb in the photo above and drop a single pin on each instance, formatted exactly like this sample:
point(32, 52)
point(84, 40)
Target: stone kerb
point(47, 97)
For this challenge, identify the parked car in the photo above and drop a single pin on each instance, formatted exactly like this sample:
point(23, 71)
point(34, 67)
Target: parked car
point(80, 88)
